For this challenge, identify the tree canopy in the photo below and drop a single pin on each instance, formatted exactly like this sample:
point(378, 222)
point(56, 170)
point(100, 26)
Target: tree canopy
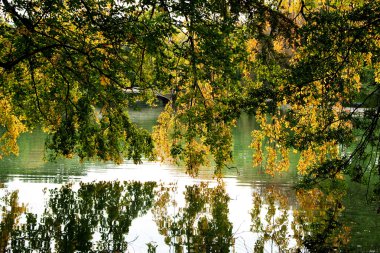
point(72, 68)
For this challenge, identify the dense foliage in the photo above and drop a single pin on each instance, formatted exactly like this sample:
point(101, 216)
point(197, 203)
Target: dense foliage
point(73, 67)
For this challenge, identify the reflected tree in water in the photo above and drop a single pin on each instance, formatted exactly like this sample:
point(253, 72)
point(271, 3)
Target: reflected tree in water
point(311, 226)
point(270, 219)
point(202, 225)
point(317, 224)
point(95, 218)
point(11, 211)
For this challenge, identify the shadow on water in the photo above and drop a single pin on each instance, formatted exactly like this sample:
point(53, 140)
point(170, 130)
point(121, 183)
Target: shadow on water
point(97, 217)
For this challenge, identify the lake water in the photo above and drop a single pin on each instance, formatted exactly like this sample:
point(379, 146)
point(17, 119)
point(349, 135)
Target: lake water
point(67, 206)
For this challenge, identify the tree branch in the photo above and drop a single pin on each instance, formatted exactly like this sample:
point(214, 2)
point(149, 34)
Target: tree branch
point(10, 64)
point(17, 17)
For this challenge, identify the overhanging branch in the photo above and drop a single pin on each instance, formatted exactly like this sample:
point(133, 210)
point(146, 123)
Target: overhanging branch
point(10, 64)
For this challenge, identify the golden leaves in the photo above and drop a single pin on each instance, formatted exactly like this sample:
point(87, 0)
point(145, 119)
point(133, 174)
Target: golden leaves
point(195, 156)
point(377, 72)
point(12, 128)
point(207, 92)
point(307, 158)
point(269, 150)
point(256, 145)
point(252, 47)
point(194, 132)
point(298, 119)
point(104, 80)
point(162, 133)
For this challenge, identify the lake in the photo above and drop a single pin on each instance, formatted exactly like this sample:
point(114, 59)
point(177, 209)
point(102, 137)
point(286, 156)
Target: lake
point(68, 206)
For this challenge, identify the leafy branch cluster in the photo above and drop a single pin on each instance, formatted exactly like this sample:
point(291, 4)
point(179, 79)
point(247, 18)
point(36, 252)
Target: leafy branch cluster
point(73, 68)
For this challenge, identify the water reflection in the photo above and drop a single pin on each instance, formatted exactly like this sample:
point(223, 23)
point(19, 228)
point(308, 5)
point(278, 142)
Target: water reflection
point(11, 211)
point(202, 225)
point(313, 225)
point(97, 217)
point(306, 219)
point(94, 218)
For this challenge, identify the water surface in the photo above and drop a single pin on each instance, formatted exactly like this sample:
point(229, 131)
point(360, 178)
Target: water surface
point(155, 207)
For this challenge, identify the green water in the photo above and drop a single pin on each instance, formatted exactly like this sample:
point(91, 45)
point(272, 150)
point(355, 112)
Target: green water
point(154, 207)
